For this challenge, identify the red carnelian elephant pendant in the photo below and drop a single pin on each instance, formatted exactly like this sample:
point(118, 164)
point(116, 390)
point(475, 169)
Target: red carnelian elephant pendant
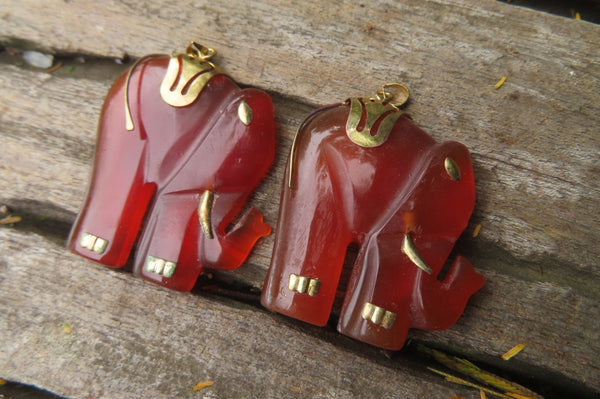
point(362, 172)
point(180, 148)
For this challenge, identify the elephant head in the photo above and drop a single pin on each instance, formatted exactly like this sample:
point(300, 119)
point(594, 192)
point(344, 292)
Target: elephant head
point(361, 172)
point(180, 148)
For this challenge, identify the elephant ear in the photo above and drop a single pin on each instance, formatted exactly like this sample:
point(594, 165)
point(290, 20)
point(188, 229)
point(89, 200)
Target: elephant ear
point(442, 203)
point(250, 134)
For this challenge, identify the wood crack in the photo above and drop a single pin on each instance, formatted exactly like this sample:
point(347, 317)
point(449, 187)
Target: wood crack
point(52, 222)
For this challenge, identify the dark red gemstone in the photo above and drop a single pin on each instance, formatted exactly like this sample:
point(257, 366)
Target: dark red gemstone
point(409, 197)
point(148, 183)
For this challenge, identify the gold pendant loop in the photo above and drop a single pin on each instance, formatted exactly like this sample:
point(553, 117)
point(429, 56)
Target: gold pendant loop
point(397, 97)
point(196, 50)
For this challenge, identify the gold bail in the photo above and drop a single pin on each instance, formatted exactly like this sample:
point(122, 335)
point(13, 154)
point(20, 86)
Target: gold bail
point(187, 75)
point(370, 121)
point(196, 50)
point(396, 97)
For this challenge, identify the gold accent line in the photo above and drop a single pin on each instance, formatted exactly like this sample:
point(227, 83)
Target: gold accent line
point(87, 241)
point(292, 153)
point(128, 119)
point(100, 245)
point(388, 320)
point(204, 213)
point(302, 285)
point(293, 149)
point(452, 169)
point(377, 316)
point(410, 249)
point(293, 283)
point(169, 269)
point(367, 311)
point(159, 265)
point(313, 287)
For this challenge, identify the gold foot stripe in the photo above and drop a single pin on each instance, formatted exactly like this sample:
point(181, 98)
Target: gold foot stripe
point(93, 243)
point(304, 285)
point(160, 266)
point(379, 316)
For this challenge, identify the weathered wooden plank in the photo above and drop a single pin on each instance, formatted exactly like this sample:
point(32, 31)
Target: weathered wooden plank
point(534, 142)
point(543, 121)
point(507, 310)
point(137, 340)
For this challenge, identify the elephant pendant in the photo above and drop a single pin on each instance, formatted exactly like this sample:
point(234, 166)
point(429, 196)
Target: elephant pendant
point(361, 172)
point(180, 148)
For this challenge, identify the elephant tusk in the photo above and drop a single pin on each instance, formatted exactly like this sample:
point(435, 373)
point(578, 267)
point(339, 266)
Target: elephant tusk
point(205, 211)
point(410, 249)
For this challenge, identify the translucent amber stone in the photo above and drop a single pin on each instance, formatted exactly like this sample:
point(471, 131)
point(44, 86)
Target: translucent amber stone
point(148, 183)
point(404, 202)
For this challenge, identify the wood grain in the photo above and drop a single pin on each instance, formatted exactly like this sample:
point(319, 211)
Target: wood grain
point(138, 340)
point(535, 147)
point(534, 137)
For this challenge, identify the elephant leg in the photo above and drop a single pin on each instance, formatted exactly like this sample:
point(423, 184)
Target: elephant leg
point(389, 295)
point(310, 248)
point(375, 308)
point(224, 163)
point(437, 305)
point(117, 199)
point(167, 253)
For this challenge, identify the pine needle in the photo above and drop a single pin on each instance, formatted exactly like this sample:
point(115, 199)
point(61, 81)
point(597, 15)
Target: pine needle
point(10, 220)
point(66, 327)
point(460, 381)
point(54, 68)
point(469, 369)
point(512, 352)
point(201, 385)
point(500, 83)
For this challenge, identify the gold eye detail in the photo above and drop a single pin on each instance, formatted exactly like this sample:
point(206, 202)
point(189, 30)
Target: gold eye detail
point(245, 113)
point(452, 169)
